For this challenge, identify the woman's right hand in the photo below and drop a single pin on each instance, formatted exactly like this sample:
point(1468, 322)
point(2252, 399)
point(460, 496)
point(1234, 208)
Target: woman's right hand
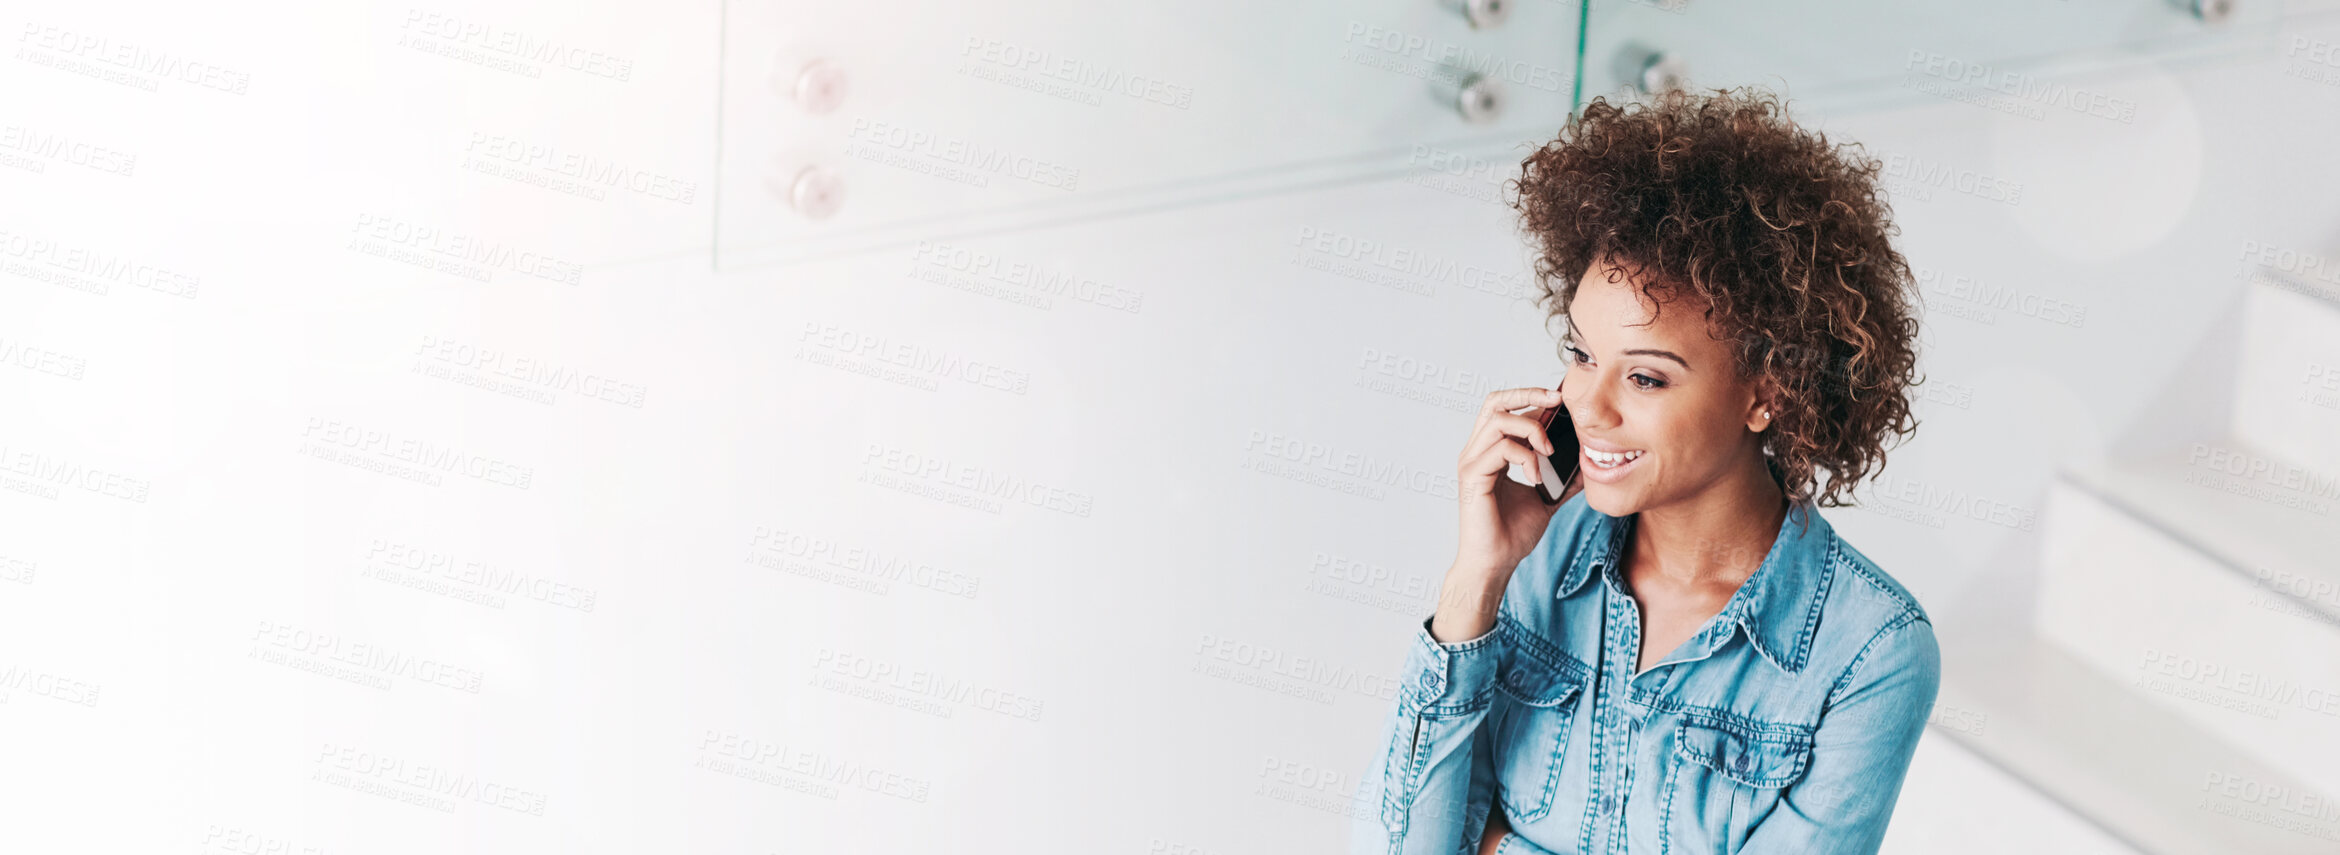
point(1502, 520)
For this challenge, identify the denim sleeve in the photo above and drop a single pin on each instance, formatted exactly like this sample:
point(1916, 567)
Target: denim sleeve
point(1513, 844)
point(1861, 750)
point(1433, 785)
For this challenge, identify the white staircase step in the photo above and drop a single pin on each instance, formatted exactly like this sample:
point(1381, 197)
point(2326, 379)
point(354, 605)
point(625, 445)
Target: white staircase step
point(1955, 802)
point(2136, 770)
point(2287, 380)
point(2212, 595)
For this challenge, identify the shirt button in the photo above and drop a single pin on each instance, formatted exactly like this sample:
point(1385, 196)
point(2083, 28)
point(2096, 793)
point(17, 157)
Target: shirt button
point(1429, 681)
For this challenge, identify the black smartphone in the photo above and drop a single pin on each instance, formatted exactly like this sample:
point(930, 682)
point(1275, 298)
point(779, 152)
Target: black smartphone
point(1559, 466)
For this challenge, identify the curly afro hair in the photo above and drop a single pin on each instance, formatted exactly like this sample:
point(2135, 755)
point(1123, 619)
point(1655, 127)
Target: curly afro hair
point(1784, 239)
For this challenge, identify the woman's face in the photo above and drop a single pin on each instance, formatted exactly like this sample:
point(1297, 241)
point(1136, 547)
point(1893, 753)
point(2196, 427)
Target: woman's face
point(1663, 392)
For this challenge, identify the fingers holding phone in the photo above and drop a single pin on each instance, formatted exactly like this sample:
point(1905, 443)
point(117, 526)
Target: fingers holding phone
point(1503, 518)
point(1519, 431)
point(1557, 476)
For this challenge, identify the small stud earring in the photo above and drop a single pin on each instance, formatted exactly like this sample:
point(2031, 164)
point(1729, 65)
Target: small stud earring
point(1767, 414)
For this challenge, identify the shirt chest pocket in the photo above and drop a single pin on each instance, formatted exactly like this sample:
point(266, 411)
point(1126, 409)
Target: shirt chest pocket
point(1538, 691)
point(1722, 781)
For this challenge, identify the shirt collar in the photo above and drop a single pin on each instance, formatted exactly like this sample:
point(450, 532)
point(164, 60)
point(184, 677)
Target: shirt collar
point(1778, 607)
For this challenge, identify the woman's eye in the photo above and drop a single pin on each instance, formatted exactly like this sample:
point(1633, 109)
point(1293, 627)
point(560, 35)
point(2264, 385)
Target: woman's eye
point(1640, 381)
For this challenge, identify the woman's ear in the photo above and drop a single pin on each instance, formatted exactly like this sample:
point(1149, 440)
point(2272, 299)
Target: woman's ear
point(1759, 412)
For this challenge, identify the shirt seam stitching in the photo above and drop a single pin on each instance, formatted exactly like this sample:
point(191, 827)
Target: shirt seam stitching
point(1852, 669)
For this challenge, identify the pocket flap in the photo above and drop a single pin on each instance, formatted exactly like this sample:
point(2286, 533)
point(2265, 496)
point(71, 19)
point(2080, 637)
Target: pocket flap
point(1539, 678)
point(1757, 760)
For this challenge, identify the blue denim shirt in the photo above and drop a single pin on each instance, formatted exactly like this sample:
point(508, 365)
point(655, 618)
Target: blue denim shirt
point(1784, 725)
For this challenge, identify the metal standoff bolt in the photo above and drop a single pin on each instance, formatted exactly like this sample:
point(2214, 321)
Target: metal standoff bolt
point(1477, 97)
point(814, 192)
point(1664, 72)
point(818, 86)
point(1483, 14)
point(1649, 70)
point(2213, 11)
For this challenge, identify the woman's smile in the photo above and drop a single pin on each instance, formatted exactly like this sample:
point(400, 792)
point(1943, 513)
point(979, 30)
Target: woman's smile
point(1609, 468)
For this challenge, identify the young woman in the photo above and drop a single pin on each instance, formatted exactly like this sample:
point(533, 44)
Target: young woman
point(1682, 656)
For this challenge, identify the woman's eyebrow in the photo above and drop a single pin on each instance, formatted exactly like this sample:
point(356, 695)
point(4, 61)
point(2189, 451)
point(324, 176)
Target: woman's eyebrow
point(1639, 351)
point(1643, 351)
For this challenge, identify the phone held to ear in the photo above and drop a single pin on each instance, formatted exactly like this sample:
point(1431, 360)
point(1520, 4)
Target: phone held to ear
point(1560, 466)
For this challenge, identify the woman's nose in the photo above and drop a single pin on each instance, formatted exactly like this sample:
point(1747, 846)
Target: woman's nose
point(1580, 390)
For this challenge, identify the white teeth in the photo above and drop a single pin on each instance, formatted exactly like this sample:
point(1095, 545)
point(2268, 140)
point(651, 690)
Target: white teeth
point(1608, 460)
